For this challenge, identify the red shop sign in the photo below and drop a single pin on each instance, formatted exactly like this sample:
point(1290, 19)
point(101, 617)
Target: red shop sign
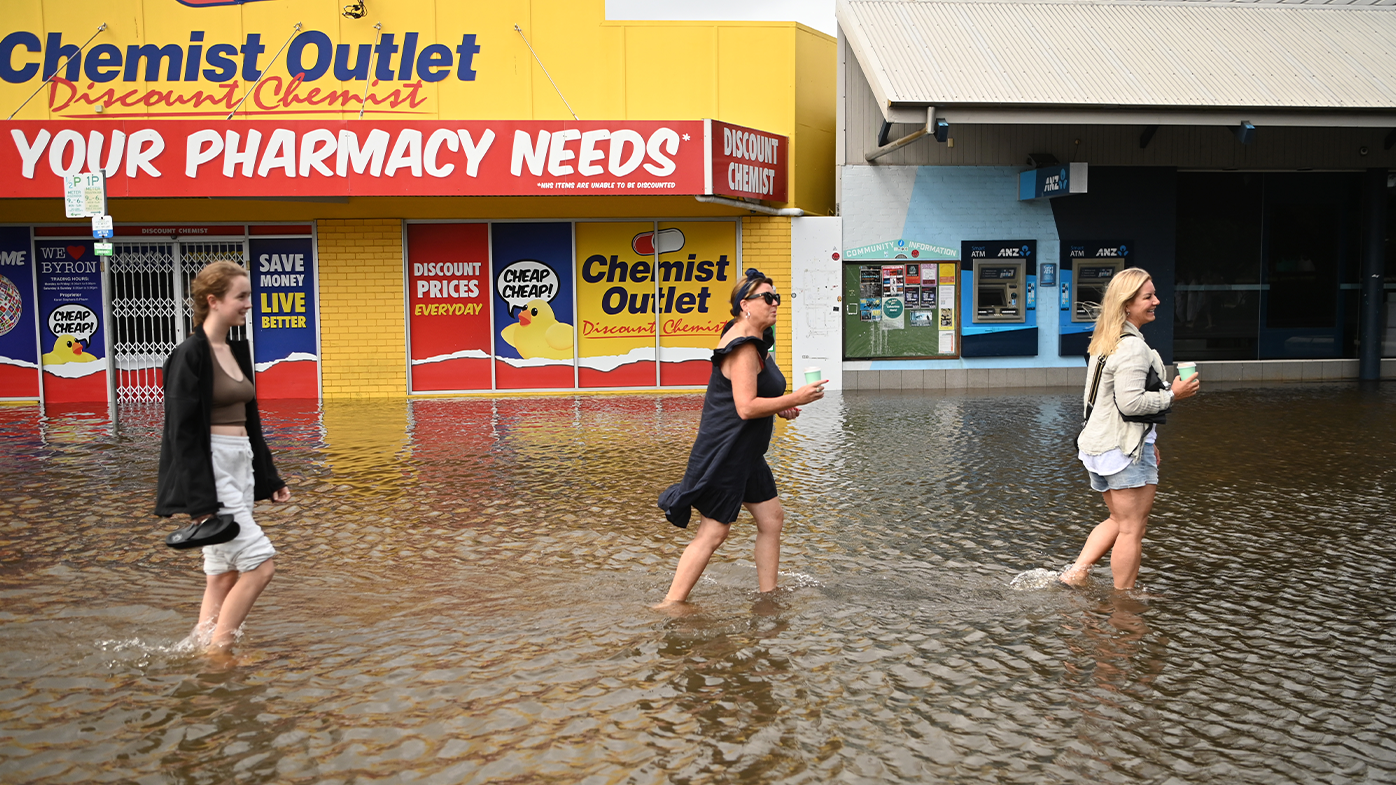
point(144, 158)
point(747, 162)
point(181, 158)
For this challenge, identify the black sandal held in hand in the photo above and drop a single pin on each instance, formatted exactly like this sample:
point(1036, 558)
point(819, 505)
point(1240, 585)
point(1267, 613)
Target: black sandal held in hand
point(213, 530)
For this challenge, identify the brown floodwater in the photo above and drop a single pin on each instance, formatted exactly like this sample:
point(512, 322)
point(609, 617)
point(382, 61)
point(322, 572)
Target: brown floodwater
point(462, 596)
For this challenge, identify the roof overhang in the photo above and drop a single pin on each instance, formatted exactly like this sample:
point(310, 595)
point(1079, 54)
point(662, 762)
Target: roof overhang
point(1118, 63)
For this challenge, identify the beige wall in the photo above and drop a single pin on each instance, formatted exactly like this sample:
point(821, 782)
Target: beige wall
point(1190, 147)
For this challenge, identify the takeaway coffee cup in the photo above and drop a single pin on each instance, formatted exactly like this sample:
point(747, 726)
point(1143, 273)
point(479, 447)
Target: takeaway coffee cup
point(812, 374)
point(1187, 370)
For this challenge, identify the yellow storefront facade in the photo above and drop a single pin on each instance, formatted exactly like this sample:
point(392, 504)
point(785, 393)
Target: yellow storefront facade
point(433, 198)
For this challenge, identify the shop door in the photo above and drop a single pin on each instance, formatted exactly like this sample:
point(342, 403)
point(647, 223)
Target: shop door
point(1310, 241)
point(1217, 310)
point(150, 308)
point(1262, 261)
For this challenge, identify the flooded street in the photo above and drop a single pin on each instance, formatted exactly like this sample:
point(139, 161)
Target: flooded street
point(462, 596)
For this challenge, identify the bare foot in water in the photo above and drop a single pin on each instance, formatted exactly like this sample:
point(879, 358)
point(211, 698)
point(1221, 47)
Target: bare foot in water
point(1074, 576)
point(675, 608)
point(220, 658)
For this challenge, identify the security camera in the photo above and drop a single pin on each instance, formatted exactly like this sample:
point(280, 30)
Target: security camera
point(356, 11)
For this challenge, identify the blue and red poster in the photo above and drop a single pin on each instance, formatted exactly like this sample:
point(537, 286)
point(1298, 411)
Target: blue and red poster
point(534, 323)
point(283, 318)
point(71, 334)
point(448, 283)
point(19, 354)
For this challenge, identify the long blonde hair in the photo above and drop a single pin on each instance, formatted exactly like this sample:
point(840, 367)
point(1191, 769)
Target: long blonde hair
point(1110, 324)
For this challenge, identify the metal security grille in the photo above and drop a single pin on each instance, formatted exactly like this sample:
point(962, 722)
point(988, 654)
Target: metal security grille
point(143, 309)
point(151, 310)
point(194, 257)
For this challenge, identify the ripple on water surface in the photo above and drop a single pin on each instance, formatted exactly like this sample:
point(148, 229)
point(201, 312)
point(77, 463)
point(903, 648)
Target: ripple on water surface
point(463, 589)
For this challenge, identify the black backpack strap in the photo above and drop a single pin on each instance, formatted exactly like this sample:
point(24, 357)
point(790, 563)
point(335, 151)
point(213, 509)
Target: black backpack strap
point(1095, 387)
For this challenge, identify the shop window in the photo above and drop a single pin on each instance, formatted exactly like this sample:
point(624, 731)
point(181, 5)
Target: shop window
point(1218, 283)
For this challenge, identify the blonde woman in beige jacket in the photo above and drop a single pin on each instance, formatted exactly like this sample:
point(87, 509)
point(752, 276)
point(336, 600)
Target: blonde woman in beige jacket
point(1120, 456)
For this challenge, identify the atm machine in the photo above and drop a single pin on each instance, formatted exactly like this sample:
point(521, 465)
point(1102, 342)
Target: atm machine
point(1000, 292)
point(1088, 283)
point(1088, 267)
point(999, 298)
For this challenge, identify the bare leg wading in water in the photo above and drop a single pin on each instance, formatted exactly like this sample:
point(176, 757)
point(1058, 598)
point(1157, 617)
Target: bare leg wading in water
point(770, 519)
point(1121, 535)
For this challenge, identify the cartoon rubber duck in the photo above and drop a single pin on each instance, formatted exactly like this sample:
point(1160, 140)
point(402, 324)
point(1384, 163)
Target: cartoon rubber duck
point(67, 349)
point(539, 333)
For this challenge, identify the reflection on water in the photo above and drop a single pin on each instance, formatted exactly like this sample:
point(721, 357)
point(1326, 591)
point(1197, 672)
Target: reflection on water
point(462, 596)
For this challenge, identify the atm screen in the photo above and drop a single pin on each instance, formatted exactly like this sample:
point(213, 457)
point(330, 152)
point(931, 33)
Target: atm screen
point(992, 297)
point(997, 273)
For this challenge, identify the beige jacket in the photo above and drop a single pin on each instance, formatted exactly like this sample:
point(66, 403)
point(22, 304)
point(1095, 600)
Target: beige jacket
point(1122, 390)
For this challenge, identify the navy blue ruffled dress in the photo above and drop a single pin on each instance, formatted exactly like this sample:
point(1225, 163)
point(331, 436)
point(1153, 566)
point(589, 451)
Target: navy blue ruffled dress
point(727, 466)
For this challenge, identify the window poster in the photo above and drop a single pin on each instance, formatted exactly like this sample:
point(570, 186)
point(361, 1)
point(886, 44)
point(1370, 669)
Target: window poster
point(71, 334)
point(534, 332)
point(448, 281)
point(615, 304)
point(698, 266)
point(19, 354)
point(893, 297)
point(946, 301)
point(870, 293)
point(947, 308)
point(284, 326)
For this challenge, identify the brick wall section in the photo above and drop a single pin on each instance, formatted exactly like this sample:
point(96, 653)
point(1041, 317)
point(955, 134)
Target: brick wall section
point(362, 328)
point(766, 246)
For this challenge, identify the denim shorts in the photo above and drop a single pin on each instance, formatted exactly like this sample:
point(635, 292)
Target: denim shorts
point(1135, 475)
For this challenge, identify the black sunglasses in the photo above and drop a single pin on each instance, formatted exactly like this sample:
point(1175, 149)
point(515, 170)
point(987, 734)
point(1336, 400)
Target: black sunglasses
point(771, 298)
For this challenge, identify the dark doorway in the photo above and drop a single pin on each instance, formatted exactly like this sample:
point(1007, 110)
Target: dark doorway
point(1262, 260)
point(1216, 307)
point(1311, 234)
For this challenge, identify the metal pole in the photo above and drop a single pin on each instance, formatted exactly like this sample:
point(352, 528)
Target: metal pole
point(368, 78)
point(1373, 271)
point(56, 71)
point(545, 72)
point(294, 30)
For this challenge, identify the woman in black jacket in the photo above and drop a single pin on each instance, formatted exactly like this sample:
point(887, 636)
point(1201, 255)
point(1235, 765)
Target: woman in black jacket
point(213, 455)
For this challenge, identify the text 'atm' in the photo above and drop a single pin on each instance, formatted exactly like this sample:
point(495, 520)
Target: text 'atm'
point(1000, 292)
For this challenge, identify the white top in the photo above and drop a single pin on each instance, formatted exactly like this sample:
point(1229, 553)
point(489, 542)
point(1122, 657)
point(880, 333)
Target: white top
point(1114, 461)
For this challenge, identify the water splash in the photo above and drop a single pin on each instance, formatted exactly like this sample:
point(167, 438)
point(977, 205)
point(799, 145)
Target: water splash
point(798, 580)
point(1035, 580)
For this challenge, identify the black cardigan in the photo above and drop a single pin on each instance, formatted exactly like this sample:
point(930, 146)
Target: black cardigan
point(186, 466)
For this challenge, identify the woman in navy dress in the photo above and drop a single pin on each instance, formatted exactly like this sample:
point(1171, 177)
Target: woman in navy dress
point(727, 468)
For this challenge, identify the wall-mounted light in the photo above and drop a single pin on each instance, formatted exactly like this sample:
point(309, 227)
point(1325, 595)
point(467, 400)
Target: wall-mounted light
point(942, 130)
point(1245, 132)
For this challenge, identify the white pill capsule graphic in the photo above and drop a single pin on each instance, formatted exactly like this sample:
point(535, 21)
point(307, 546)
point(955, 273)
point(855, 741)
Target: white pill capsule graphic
point(669, 240)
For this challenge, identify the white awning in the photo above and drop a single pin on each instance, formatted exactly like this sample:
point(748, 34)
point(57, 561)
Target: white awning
point(1098, 61)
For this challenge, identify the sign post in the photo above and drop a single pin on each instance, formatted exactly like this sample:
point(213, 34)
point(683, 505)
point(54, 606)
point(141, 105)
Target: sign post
point(101, 229)
point(85, 195)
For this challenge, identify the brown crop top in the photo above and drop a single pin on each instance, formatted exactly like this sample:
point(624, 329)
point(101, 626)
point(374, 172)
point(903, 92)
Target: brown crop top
point(230, 397)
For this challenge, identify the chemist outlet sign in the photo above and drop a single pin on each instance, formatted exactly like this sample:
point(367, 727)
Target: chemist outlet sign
point(195, 158)
point(207, 72)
